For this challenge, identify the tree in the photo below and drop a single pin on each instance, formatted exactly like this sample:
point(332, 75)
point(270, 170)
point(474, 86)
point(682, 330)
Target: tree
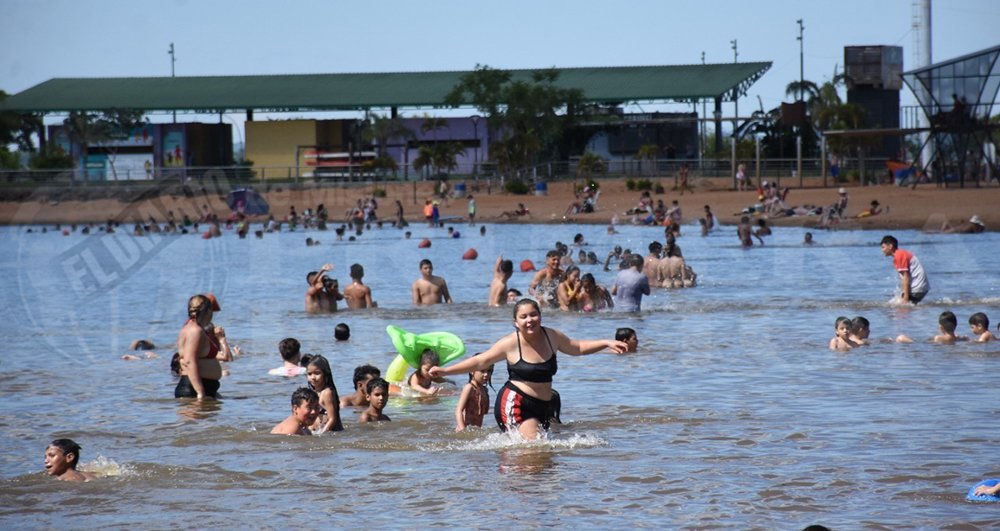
point(590, 164)
point(118, 124)
point(383, 130)
point(526, 118)
point(83, 130)
point(647, 152)
point(18, 128)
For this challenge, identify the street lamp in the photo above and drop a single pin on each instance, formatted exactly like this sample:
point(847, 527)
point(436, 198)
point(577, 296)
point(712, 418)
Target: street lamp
point(173, 59)
point(736, 97)
point(475, 128)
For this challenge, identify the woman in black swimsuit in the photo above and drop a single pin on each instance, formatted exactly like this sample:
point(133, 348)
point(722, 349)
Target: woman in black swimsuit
point(525, 402)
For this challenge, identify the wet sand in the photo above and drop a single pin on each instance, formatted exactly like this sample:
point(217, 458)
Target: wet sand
point(925, 208)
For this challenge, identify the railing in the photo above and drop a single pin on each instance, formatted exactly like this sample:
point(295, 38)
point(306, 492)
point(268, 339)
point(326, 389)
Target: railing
point(780, 170)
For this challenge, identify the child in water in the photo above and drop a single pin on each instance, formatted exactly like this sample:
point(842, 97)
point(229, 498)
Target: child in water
point(362, 375)
point(980, 326)
point(947, 323)
point(627, 335)
point(320, 379)
point(421, 381)
point(860, 330)
point(305, 411)
point(842, 340)
point(474, 403)
point(61, 458)
point(378, 397)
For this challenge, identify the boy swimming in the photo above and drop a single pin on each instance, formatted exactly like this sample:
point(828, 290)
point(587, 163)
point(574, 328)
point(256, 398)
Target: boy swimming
point(362, 375)
point(378, 397)
point(305, 411)
point(61, 458)
point(980, 326)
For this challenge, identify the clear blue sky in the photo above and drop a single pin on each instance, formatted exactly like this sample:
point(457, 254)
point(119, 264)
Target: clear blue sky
point(43, 39)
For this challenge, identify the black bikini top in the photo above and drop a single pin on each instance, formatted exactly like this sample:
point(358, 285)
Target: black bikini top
point(523, 371)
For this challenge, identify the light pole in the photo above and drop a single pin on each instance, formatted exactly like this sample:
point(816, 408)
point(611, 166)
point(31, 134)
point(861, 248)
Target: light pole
point(704, 114)
point(802, 82)
point(736, 98)
point(173, 59)
point(802, 76)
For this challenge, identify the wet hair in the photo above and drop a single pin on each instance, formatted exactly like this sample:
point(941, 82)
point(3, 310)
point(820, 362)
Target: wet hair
point(506, 266)
point(323, 365)
point(671, 249)
point(357, 271)
point(570, 270)
point(289, 348)
point(425, 262)
point(552, 253)
point(488, 371)
point(175, 364)
point(592, 257)
point(341, 332)
point(948, 321)
point(68, 446)
point(891, 241)
point(361, 373)
point(761, 222)
point(429, 356)
point(198, 305)
point(587, 277)
point(842, 320)
point(310, 276)
point(636, 261)
point(655, 247)
point(858, 324)
point(515, 291)
point(578, 238)
point(304, 394)
point(523, 302)
point(305, 359)
point(979, 318)
point(375, 383)
point(624, 334)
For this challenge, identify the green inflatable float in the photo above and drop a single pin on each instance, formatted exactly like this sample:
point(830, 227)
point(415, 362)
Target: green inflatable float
point(410, 346)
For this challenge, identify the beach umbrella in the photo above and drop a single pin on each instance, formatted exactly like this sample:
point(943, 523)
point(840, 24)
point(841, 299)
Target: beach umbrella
point(250, 202)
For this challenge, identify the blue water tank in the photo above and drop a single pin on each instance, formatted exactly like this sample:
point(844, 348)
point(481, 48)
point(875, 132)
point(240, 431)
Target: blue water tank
point(541, 188)
point(459, 190)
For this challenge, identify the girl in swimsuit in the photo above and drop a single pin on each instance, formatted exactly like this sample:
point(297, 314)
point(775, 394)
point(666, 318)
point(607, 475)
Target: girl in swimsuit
point(320, 379)
point(474, 403)
point(524, 403)
point(200, 370)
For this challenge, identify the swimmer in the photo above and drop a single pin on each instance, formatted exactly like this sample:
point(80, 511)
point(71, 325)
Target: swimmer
point(513, 295)
point(808, 239)
point(341, 332)
point(593, 297)
point(474, 403)
point(362, 375)
point(627, 336)
point(947, 324)
point(980, 326)
point(860, 330)
point(569, 289)
point(317, 298)
point(421, 380)
point(546, 281)
point(502, 271)
point(842, 340)
point(429, 289)
point(525, 404)
point(358, 295)
point(305, 411)
point(378, 397)
point(200, 368)
point(320, 379)
point(289, 349)
point(61, 458)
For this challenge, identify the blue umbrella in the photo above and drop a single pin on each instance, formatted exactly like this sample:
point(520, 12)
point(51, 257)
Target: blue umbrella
point(250, 202)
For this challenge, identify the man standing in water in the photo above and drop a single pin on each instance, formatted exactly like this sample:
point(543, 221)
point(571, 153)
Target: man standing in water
point(358, 295)
point(429, 289)
point(317, 298)
point(912, 280)
point(630, 285)
point(543, 285)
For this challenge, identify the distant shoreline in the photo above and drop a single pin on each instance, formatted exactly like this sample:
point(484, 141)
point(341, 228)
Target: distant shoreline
point(920, 209)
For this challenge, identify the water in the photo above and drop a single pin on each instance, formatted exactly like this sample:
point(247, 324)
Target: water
point(732, 414)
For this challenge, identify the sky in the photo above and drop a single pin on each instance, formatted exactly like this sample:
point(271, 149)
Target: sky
point(44, 39)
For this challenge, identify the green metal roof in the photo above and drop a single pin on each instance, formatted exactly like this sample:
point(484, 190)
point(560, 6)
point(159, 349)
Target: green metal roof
point(277, 93)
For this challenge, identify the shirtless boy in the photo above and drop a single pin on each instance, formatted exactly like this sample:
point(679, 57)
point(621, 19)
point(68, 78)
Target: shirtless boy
point(358, 295)
point(980, 326)
point(429, 289)
point(362, 375)
point(498, 286)
point(947, 323)
point(378, 397)
point(305, 411)
point(61, 458)
point(543, 285)
point(317, 298)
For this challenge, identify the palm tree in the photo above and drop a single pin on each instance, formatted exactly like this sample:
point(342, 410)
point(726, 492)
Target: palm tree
point(808, 90)
point(647, 152)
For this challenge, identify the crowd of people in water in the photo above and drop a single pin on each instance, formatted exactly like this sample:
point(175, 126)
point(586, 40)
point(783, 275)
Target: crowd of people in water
point(527, 402)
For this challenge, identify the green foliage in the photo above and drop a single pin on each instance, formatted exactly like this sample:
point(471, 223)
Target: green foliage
point(589, 164)
point(517, 187)
point(18, 128)
point(9, 160)
point(643, 185)
point(51, 158)
point(527, 118)
point(630, 184)
point(379, 192)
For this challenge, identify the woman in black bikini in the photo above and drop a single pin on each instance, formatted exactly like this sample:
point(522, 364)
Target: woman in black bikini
point(525, 402)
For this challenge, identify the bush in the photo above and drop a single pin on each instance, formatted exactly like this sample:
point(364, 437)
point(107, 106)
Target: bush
point(8, 160)
point(644, 185)
point(516, 187)
point(378, 192)
point(630, 184)
point(51, 158)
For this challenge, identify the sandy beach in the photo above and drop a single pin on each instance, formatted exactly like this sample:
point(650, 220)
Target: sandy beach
point(925, 208)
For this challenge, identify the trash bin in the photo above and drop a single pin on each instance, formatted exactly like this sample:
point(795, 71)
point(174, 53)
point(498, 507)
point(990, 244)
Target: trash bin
point(541, 188)
point(459, 190)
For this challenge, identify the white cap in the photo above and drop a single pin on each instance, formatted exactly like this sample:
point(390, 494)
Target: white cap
point(975, 219)
point(842, 190)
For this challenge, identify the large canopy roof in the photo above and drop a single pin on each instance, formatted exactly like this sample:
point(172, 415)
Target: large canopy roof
point(304, 92)
point(971, 81)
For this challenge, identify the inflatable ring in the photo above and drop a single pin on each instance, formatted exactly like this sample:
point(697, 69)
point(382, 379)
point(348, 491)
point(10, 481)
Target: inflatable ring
point(983, 497)
point(410, 346)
